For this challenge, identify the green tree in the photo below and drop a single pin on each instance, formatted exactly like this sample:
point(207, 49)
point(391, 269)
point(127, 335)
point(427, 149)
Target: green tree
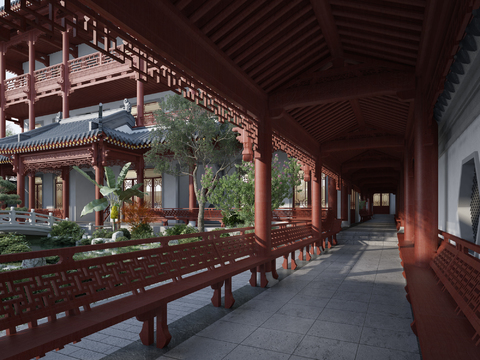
point(8, 194)
point(9, 130)
point(186, 136)
point(235, 193)
point(113, 192)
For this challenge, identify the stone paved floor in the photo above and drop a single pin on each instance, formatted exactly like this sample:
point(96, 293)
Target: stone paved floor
point(348, 303)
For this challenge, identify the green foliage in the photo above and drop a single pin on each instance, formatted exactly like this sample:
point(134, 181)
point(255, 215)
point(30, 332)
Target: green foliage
point(85, 242)
point(187, 135)
point(52, 259)
point(68, 232)
point(113, 192)
point(8, 194)
point(222, 235)
point(102, 233)
point(126, 233)
point(121, 238)
point(13, 243)
point(182, 229)
point(142, 231)
point(58, 241)
point(98, 242)
point(235, 193)
point(231, 218)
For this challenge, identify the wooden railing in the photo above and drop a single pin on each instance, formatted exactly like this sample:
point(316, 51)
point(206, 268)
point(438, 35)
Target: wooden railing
point(81, 71)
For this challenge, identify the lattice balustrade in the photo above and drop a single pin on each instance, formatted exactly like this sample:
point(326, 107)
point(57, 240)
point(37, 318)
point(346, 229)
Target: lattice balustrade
point(73, 285)
point(48, 73)
point(16, 82)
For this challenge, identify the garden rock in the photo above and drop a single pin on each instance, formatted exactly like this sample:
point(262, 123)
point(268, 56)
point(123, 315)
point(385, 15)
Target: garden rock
point(30, 263)
point(116, 235)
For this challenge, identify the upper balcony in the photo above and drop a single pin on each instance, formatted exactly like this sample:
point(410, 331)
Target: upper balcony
point(94, 78)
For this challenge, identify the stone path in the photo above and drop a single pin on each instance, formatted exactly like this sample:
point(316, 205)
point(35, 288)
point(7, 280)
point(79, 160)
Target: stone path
point(348, 303)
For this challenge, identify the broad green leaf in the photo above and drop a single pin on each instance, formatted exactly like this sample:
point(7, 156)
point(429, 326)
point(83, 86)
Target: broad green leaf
point(127, 194)
point(86, 176)
point(123, 174)
point(105, 190)
point(110, 177)
point(95, 205)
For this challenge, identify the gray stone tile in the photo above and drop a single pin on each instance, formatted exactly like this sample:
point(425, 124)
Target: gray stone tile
point(115, 341)
point(201, 348)
point(68, 349)
point(242, 352)
point(388, 322)
point(336, 331)
point(347, 305)
point(326, 349)
point(397, 340)
point(227, 331)
point(94, 346)
point(391, 310)
point(317, 292)
point(260, 305)
point(343, 317)
point(309, 301)
point(247, 317)
point(85, 354)
point(302, 311)
point(288, 323)
point(53, 355)
point(351, 296)
point(375, 353)
point(281, 341)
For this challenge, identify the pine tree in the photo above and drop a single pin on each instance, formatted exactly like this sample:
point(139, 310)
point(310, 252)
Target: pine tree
point(8, 195)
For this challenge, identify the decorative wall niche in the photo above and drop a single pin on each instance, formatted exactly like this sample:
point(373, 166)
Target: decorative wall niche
point(469, 199)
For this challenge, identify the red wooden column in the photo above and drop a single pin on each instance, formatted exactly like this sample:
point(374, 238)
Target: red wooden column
point(316, 180)
point(31, 72)
point(332, 195)
point(21, 123)
point(140, 177)
point(263, 186)
point(66, 75)
point(20, 182)
point(409, 219)
point(425, 182)
point(66, 191)
point(31, 190)
point(3, 121)
point(140, 95)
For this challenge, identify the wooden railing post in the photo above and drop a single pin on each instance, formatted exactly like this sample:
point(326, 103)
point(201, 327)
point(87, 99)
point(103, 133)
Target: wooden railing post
point(13, 215)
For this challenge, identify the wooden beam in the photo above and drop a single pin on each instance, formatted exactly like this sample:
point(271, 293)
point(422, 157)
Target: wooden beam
point(358, 112)
point(285, 125)
point(372, 164)
point(225, 13)
point(365, 143)
point(164, 29)
point(341, 90)
point(323, 12)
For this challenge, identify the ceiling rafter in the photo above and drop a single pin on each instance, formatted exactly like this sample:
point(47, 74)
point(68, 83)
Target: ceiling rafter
point(323, 12)
point(379, 9)
point(367, 85)
point(378, 39)
point(378, 20)
point(379, 55)
point(247, 25)
point(274, 32)
point(266, 70)
point(263, 26)
point(380, 142)
point(224, 14)
point(236, 20)
point(294, 67)
point(378, 30)
point(282, 42)
point(358, 112)
point(203, 9)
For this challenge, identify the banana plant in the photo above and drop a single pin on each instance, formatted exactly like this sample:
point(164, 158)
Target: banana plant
point(113, 192)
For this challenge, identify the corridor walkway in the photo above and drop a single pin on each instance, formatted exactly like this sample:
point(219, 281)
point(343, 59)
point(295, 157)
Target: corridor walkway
point(348, 303)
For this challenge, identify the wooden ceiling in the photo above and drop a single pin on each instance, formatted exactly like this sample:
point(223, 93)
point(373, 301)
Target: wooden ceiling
point(339, 75)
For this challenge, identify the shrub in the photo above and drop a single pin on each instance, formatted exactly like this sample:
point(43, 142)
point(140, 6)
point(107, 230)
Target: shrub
point(98, 242)
point(121, 238)
point(13, 243)
point(231, 218)
point(222, 235)
point(137, 214)
point(102, 233)
point(142, 231)
point(67, 229)
point(52, 259)
point(126, 233)
point(182, 229)
point(85, 242)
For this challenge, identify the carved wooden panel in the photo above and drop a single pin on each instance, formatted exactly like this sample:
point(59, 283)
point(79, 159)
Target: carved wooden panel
point(56, 159)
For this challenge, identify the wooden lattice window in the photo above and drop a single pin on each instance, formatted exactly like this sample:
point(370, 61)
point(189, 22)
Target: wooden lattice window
point(58, 193)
